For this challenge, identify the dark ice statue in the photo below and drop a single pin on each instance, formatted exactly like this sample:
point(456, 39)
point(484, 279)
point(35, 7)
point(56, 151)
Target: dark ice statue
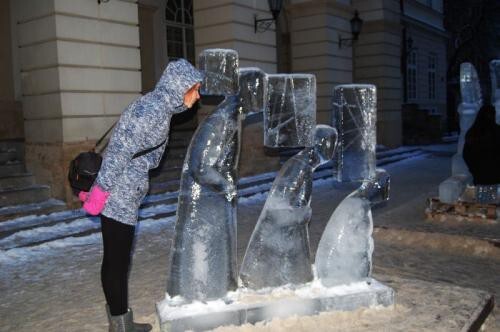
point(278, 252)
point(203, 264)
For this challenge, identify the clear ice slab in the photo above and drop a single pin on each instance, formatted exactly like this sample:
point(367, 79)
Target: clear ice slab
point(253, 88)
point(290, 114)
point(355, 117)
point(250, 307)
point(452, 188)
point(220, 67)
point(278, 251)
point(345, 249)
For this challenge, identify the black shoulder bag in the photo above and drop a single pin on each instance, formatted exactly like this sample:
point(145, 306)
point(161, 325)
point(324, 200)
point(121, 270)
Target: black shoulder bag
point(84, 168)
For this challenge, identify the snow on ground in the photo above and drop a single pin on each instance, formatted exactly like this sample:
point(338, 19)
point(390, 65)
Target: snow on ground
point(55, 286)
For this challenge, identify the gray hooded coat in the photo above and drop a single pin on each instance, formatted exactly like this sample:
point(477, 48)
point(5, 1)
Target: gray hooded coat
point(144, 124)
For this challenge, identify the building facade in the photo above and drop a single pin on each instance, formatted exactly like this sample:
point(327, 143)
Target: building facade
point(73, 66)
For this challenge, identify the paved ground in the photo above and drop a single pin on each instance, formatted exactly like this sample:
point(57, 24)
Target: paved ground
point(56, 287)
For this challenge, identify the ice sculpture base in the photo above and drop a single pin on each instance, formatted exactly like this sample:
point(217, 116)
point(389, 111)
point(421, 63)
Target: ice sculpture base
point(247, 306)
point(451, 189)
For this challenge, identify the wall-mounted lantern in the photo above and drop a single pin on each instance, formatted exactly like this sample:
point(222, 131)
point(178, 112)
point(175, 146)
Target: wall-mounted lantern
point(356, 24)
point(262, 25)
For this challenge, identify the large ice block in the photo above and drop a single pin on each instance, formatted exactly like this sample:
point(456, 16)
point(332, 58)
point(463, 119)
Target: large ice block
point(452, 188)
point(345, 249)
point(220, 67)
point(203, 262)
point(278, 251)
point(253, 88)
point(495, 86)
point(355, 117)
point(290, 114)
point(251, 307)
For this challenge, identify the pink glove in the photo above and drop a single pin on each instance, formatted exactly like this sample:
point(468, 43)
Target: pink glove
point(96, 199)
point(82, 196)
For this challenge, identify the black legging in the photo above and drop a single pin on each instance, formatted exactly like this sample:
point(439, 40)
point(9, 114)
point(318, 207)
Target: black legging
point(117, 241)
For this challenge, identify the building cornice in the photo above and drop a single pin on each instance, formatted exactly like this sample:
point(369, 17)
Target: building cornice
point(316, 7)
point(410, 21)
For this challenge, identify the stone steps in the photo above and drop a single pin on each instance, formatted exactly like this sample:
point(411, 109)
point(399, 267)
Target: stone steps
point(16, 180)
point(24, 195)
point(17, 187)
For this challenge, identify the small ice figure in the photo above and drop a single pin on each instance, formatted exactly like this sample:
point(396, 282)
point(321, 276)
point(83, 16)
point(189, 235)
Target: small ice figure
point(278, 252)
point(355, 117)
point(495, 85)
point(253, 88)
point(204, 261)
point(470, 90)
point(290, 114)
point(345, 250)
point(220, 67)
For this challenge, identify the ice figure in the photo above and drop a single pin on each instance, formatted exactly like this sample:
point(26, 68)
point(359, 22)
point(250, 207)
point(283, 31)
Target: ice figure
point(204, 255)
point(470, 91)
point(345, 250)
point(290, 114)
point(354, 116)
point(495, 86)
point(278, 251)
point(220, 67)
point(253, 88)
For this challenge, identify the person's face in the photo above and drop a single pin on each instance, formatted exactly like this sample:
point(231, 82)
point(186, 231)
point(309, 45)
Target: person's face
point(192, 95)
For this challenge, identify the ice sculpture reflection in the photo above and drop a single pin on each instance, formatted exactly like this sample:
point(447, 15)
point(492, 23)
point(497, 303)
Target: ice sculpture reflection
point(203, 264)
point(290, 114)
point(278, 252)
point(354, 116)
point(345, 250)
point(495, 86)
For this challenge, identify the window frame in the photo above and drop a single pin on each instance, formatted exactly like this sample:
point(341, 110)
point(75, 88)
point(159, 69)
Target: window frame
point(431, 75)
point(185, 28)
point(411, 75)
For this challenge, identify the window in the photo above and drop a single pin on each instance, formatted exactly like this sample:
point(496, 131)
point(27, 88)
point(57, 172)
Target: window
point(179, 25)
point(431, 76)
point(411, 75)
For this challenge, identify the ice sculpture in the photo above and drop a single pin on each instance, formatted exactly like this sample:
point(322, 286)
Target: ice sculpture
point(290, 114)
point(253, 88)
point(278, 251)
point(354, 116)
point(470, 90)
point(203, 264)
point(220, 67)
point(495, 86)
point(345, 250)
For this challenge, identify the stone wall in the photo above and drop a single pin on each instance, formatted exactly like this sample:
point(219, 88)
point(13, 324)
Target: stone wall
point(315, 27)
point(79, 64)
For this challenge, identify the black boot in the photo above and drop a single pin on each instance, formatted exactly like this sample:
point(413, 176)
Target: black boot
point(125, 323)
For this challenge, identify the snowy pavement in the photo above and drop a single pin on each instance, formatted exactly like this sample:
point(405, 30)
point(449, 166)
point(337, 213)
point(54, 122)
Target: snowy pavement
point(49, 268)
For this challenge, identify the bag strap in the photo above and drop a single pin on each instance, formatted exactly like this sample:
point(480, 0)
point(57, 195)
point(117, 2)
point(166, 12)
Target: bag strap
point(94, 149)
point(143, 152)
point(138, 154)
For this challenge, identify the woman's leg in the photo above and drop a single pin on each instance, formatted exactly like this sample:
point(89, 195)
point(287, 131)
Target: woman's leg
point(117, 242)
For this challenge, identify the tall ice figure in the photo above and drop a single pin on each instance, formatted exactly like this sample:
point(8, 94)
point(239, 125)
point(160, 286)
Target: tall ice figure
point(203, 262)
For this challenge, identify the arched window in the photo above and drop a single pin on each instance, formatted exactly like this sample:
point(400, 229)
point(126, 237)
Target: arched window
point(179, 25)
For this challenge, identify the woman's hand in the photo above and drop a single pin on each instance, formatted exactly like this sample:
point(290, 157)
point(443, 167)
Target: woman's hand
point(94, 201)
